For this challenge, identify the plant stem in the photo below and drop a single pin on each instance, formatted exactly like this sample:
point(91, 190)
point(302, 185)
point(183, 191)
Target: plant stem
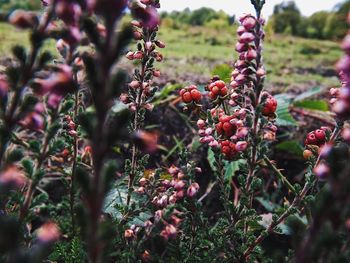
point(74, 166)
point(279, 175)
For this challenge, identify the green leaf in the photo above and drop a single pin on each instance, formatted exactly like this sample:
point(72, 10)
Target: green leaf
point(28, 166)
point(268, 205)
point(284, 118)
point(320, 105)
point(223, 71)
point(231, 168)
point(312, 92)
point(293, 147)
point(211, 159)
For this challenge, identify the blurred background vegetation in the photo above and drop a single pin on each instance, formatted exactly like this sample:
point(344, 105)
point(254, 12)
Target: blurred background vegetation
point(300, 52)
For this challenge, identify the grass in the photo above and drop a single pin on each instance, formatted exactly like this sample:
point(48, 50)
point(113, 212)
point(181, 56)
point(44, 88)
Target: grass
point(193, 52)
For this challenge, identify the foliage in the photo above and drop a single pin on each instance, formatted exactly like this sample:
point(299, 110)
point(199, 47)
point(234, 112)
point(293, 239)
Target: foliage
point(100, 165)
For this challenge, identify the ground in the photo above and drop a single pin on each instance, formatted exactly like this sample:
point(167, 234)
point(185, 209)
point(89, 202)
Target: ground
point(293, 64)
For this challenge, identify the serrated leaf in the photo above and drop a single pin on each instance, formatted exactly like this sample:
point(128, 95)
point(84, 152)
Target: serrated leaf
point(320, 105)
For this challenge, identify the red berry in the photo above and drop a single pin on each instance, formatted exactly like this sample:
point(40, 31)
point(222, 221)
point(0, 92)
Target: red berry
point(321, 136)
point(227, 127)
point(182, 91)
point(311, 139)
point(186, 97)
point(224, 91)
point(196, 95)
point(215, 90)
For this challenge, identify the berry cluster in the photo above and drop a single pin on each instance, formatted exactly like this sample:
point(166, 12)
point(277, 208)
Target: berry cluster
point(217, 89)
point(190, 94)
point(317, 137)
point(230, 134)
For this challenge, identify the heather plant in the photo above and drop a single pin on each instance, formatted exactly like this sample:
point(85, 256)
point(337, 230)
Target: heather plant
point(78, 179)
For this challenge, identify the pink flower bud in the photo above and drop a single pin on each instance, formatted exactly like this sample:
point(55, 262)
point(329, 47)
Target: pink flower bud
point(156, 73)
point(140, 190)
point(130, 55)
point(249, 23)
point(3, 86)
point(158, 215)
point(148, 45)
point(241, 146)
point(241, 47)
point(173, 170)
point(23, 19)
point(192, 190)
point(11, 177)
point(143, 181)
point(246, 38)
point(137, 35)
point(261, 72)
point(198, 170)
point(346, 134)
point(251, 54)
point(163, 201)
point(134, 84)
point(241, 30)
point(68, 11)
point(169, 232)
point(208, 131)
point(149, 16)
point(124, 98)
point(214, 144)
point(334, 92)
point(322, 170)
point(179, 185)
point(138, 55)
point(128, 234)
point(172, 199)
point(160, 44)
point(201, 124)
point(109, 8)
point(180, 194)
point(48, 233)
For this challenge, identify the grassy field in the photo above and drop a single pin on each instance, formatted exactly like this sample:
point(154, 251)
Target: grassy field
point(293, 64)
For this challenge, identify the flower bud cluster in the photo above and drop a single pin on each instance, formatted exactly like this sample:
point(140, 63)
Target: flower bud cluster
point(341, 101)
point(141, 89)
point(249, 47)
point(165, 192)
point(59, 83)
point(34, 120)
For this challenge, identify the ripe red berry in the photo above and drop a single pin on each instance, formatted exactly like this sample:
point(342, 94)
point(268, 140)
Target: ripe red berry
point(228, 149)
point(186, 97)
point(196, 95)
point(321, 136)
point(311, 139)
